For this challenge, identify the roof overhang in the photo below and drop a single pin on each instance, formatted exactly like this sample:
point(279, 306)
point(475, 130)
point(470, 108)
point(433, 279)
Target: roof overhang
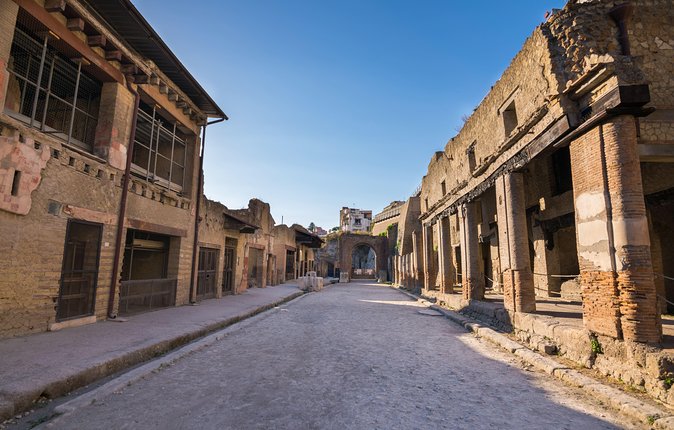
point(127, 22)
point(234, 223)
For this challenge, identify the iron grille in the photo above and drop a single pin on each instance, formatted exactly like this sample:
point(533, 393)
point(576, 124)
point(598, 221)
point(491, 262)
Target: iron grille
point(159, 153)
point(54, 94)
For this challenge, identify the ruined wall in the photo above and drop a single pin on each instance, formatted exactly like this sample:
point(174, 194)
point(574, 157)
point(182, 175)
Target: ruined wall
point(70, 186)
point(284, 240)
point(531, 85)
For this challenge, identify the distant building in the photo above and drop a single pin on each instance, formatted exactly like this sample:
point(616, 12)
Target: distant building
point(388, 216)
point(320, 232)
point(354, 220)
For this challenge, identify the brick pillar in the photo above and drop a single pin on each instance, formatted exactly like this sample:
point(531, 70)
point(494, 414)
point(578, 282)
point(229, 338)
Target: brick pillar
point(416, 263)
point(519, 294)
point(114, 124)
point(445, 257)
point(616, 273)
point(473, 279)
point(427, 235)
point(8, 12)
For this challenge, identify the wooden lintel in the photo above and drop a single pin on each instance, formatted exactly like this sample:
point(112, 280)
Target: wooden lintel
point(113, 55)
point(140, 78)
point(75, 24)
point(97, 40)
point(55, 5)
point(80, 60)
point(129, 69)
point(103, 70)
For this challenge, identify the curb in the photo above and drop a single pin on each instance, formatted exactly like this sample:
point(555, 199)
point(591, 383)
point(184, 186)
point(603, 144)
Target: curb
point(634, 408)
point(119, 383)
point(18, 401)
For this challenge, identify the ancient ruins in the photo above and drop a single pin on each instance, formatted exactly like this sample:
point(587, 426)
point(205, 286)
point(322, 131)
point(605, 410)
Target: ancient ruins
point(557, 192)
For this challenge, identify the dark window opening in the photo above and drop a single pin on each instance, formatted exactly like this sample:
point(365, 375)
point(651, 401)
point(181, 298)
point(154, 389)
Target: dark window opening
point(443, 188)
point(470, 153)
point(509, 118)
point(561, 165)
point(50, 92)
point(16, 181)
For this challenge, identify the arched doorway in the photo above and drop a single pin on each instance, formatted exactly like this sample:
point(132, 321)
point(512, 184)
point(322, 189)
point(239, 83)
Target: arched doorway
point(363, 262)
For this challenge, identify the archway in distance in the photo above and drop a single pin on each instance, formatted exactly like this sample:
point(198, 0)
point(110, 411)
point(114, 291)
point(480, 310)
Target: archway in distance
point(363, 262)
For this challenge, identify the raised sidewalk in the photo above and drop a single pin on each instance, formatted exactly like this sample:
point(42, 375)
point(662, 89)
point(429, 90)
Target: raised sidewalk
point(53, 364)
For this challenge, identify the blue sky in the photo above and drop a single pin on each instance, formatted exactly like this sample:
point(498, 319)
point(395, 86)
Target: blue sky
point(337, 103)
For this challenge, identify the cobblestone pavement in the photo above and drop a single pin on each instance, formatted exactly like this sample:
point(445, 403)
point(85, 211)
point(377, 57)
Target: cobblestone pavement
point(352, 356)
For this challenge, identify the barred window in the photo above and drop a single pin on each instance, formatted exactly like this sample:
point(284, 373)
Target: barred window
point(159, 152)
point(51, 92)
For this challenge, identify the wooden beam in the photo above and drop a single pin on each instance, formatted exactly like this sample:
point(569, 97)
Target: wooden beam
point(173, 96)
point(75, 24)
point(154, 80)
point(104, 71)
point(129, 69)
point(80, 60)
point(55, 5)
point(97, 40)
point(113, 55)
point(141, 79)
point(181, 104)
point(163, 88)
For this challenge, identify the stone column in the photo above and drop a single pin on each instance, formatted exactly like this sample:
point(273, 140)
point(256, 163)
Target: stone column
point(616, 273)
point(519, 294)
point(445, 257)
point(8, 13)
point(472, 284)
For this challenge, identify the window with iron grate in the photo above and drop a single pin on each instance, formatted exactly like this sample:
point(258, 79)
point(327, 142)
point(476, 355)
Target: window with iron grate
point(159, 152)
point(50, 92)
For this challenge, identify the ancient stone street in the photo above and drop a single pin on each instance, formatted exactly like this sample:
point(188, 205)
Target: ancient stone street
point(355, 355)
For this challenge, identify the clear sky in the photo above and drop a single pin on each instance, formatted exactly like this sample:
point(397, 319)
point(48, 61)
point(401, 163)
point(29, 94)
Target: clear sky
point(337, 102)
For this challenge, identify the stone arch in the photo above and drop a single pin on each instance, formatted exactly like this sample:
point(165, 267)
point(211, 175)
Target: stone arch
point(348, 242)
point(363, 261)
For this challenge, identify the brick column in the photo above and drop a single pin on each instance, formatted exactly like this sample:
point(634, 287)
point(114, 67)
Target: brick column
point(427, 234)
point(8, 12)
point(616, 273)
point(473, 279)
point(445, 257)
point(519, 294)
point(114, 124)
point(416, 263)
